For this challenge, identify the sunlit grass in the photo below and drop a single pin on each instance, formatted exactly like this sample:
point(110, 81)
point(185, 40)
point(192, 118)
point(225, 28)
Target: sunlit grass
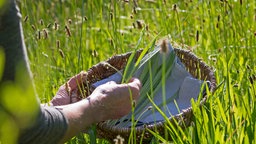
point(222, 33)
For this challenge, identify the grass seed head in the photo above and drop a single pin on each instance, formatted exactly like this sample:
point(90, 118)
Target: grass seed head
point(147, 27)
point(241, 2)
point(67, 31)
point(45, 33)
point(58, 44)
point(235, 85)
point(33, 27)
point(111, 15)
point(248, 67)
point(134, 10)
point(26, 18)
point(95, 53)
point(41, 22)
point(39, 35)
point(85, 18)
point(49, 25)
point(140, 24)
point(69, 21)
point(135, 3)
point(61, 53)
point(56, 26)
point(174, 7)
point(197, 35)
point(164, 47)
point(251, 80)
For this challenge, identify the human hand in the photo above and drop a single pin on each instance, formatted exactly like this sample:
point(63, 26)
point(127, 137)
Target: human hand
point(108, 101)
point(67, 93)
point(112, 101)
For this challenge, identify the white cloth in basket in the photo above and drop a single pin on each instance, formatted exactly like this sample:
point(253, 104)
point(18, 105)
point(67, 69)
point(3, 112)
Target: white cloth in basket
point(180, 84)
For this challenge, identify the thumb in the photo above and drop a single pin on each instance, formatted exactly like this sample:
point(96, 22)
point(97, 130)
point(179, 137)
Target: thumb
point(135, 86)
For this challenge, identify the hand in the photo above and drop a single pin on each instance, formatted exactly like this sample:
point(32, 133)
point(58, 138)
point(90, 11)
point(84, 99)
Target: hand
point(113, 100)
point(108, 101)
point(67, 93)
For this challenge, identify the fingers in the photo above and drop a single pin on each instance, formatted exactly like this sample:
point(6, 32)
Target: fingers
point(135, 86)
point(136, 82)
point(77, 79)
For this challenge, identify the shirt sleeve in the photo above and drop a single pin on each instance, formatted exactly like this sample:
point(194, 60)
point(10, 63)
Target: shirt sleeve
point(11, 40)
point(50, 124)
point(50, 127)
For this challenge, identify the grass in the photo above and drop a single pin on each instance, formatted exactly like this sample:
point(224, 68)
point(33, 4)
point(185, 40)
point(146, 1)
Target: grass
point(64, 38)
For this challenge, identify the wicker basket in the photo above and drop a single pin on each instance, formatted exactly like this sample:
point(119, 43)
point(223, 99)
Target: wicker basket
point(100, 71)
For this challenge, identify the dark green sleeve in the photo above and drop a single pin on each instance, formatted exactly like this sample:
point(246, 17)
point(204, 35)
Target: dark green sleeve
point(49, 128)
point(51, 124)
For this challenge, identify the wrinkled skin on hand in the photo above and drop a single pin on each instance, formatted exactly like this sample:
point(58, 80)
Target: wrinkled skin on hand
point(115, 100)
point(67, 93)
point(107, 101)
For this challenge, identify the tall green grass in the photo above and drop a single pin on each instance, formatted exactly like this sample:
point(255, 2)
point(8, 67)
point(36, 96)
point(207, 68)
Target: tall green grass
point(222, 33)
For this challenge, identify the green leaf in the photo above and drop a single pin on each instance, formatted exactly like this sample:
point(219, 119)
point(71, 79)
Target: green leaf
point(92, 134)
point(151, 45)
point(157, 136)
point(221, 110)
point(130, 66)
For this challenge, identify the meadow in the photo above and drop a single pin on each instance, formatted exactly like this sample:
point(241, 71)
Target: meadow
point(66, 37)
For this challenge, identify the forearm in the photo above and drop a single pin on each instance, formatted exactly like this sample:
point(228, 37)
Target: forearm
point(81, 115)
